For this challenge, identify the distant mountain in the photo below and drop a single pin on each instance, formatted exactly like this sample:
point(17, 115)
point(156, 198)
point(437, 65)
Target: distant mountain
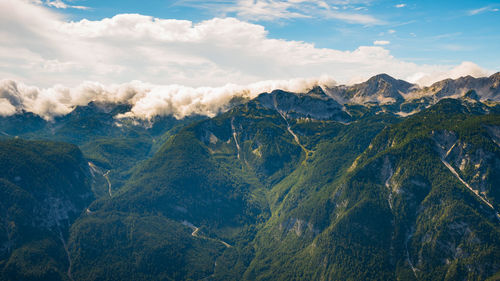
point(98, 119)
point(381, 89)
point(314, 104)
point(381, 180)
point(486, 87)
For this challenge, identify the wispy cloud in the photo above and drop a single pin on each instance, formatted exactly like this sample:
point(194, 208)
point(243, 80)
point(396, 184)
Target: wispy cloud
point(403, 23)
point(446, 35)
point(381, 42)
point(482, 10)
point(350, 11)
point(353, 18)
point(59, 4)
point(400, 5)
point(267, 10)
point(453, 47)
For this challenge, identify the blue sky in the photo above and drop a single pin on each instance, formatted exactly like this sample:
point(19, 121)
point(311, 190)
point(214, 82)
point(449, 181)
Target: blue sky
point(213, 43)
point(420, 31)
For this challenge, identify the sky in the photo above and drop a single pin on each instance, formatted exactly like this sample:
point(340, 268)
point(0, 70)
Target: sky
point(212, 43)
point(205, 47)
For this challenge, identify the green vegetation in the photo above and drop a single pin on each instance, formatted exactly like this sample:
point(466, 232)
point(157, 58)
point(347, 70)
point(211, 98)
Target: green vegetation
point(44, 187)
point(263, 191)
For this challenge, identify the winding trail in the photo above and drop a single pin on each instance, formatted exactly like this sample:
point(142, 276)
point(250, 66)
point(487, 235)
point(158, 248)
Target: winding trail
point(197, 235)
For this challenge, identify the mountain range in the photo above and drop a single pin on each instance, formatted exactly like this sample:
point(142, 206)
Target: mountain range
point(381, 180)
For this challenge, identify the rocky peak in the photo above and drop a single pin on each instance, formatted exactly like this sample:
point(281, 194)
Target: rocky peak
point(317, 92)
point(381, 88)
point(495, 80)
point(314, 104)
point(485, 87)
point(382, 77)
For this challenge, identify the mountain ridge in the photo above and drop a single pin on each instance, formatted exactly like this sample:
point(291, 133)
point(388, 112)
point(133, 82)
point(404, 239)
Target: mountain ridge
point(380, 89)
point(299, 185)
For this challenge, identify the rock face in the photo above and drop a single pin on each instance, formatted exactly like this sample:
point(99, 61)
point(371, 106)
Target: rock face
point(314, 104)
point(486, 87)
point(395, 95)
point(494, 132)
point(381, 89)
point(384, 89)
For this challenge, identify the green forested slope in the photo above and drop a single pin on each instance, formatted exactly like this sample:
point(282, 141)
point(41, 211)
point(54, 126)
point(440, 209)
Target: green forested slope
point(44, 187)
point(270, 191)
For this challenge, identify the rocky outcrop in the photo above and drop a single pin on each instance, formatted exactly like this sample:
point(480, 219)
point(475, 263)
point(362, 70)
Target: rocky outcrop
point(315, 104)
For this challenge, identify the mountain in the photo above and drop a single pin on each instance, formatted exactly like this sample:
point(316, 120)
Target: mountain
point(44, 187)
point(314, 104)
point(110, 143)
point(381, 180)
point(399, 210)
point(487, 87)
point(355, 201)
point(381, 89)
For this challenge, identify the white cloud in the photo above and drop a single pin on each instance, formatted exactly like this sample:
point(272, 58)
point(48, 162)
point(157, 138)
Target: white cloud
point(6, 108)
point(464, 69)
point(381, 42)
point(147, 100)
point(391, 31)
point(272, 10)
point(163, 51)
point(400, 5)
point(59, 4)
point(268, 10)
point(482, 10)
point(264, 10)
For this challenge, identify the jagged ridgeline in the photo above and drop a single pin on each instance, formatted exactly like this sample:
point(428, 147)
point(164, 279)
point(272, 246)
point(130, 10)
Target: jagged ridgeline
point(381, 180)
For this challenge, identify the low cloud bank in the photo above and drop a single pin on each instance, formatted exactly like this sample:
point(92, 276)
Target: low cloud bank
point(147, 100)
